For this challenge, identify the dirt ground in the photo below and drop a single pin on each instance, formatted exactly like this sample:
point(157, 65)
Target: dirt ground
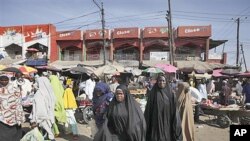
point(206, 130)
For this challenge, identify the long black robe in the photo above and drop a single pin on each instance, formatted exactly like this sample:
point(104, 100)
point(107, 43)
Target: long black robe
point(124, 122)
point(162, 116)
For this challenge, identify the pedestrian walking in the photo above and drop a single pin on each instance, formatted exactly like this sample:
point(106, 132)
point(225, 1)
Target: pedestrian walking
point(161, 113)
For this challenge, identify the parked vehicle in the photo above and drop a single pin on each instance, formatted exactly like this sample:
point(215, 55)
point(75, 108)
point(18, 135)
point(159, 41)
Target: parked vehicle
point(84, 110)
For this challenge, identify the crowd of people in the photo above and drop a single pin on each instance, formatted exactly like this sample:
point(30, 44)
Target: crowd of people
point(168, 114)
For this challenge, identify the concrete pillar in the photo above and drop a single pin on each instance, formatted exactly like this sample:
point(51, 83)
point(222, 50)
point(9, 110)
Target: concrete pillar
point(141, 47)
point(84, 49)
point(207, 50)
point(224, 58)
point(111, 54)
point(141, 51)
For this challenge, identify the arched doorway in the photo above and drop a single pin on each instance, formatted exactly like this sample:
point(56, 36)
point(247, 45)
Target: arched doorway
point(188, 51)
point(127, 52)
point(71, 53)
point(93, 51)
point(37, 51)
point(14, 51)
point(154, 46)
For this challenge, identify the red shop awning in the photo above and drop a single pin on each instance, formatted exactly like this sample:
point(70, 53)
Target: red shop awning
point(155, 42)
point(65, 44)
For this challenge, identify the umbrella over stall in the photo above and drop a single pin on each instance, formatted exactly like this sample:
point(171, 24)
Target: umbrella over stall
point(134, 71)
point(217, 73)
point(230, 72)
point(12, 69)
point(244, 74)
point(197, 66)
point(50, 68)
point(78, 72)
point(109, 69)
point(167, 68)
point(27, 69)
point(153, 70)
point(32, 50)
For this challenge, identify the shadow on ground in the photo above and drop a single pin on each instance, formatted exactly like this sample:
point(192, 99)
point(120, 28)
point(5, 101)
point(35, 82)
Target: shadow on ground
point(70, 138)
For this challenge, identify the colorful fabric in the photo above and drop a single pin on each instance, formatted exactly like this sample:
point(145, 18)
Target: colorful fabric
point(11, 111)
point(58, 89)
point(69, 99)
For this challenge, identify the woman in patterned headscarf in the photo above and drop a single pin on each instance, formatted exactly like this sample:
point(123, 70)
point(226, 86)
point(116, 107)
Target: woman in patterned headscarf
point(11, 112)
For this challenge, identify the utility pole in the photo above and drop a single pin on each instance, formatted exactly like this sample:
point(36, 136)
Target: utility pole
point(238, 46)
point(243, 57)
point(169, 40)
point(103, 30)
point(170, 34)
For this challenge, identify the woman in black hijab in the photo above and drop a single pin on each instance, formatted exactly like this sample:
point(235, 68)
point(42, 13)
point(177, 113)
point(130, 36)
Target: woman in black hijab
point(161, 114)
point(125, 120)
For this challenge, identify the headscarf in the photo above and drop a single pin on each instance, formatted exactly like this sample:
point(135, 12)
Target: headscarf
point(58, 89)
point(125, 120)
point(186, 111)
point(44, 102)
point(161, 115)
point(106, 94)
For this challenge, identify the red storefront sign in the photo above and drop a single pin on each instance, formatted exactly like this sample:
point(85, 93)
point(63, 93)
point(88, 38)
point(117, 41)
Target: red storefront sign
point(10, 31)
point(126, 33)
point(69, 35)
point(35, 32)
point(155, 32)
point(96, 34)
point(194, 31)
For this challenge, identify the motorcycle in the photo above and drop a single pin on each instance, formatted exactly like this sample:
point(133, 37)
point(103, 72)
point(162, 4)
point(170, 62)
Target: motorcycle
point(85, 110)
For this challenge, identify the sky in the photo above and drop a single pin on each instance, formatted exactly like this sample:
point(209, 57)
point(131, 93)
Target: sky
point(84, 14)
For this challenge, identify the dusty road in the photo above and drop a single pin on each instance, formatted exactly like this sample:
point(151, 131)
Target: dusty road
point(207, 130)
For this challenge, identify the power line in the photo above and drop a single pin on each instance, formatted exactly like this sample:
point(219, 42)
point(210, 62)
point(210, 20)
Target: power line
point(207, 13)
point(75, 17)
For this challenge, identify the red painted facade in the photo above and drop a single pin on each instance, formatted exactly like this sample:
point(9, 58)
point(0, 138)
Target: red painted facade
point(11, 30)
point(69, 35)
point(126, 33)
point(94, 43)
point(155, 32)
point(54, 54)
point(96, 34)
point(194, 31)
point(135, 41)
